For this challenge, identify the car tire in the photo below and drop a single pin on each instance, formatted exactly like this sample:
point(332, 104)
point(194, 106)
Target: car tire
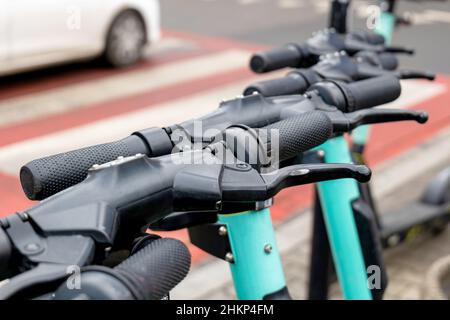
point(126, 40)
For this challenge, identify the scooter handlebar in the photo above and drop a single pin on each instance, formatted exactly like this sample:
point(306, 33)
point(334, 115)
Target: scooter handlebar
point(361, 94)
point(289, 55)
point(44, 177)
point(293, 83)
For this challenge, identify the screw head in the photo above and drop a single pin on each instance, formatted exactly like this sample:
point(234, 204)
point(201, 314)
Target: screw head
point(242, 165)
point(229, 257)
point(299, 172)
point(268, 248)
point(223, 231)
point(393, 240)
point(32, 247)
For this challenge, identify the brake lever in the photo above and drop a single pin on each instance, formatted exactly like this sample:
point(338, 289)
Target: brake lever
point(380, 115)
point(311, 173)
point(398, 49)
point(414, 74)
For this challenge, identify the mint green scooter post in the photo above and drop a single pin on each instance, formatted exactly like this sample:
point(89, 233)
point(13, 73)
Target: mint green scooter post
point(255, 265)
point(385, 26)
point(336, 197)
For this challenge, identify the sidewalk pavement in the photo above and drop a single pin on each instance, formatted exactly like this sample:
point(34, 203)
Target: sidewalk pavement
point(395, 183)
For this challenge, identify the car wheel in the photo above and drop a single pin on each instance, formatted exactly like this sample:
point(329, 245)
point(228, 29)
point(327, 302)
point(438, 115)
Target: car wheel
point(126, 40)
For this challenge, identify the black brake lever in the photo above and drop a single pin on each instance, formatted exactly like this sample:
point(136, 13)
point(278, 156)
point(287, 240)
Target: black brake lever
point(380, 115)
point(414, 74)
point(312, 173)
point(398, 49)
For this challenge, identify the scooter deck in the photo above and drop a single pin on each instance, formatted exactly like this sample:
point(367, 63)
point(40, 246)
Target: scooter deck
point(413, 220)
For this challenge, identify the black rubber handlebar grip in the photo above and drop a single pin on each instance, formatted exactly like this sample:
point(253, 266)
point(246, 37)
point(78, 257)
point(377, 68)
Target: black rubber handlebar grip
point(291, 84)
point(289, 55)
point(301, 133)
point(42, 178)
point(156, 268)
point(360, 94)
point(371, 92)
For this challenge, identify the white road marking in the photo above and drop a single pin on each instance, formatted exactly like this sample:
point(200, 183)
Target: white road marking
point(290, 4)
point(248, 2)
point(168, 45)
point(430, 17)
point(321, 6)
point(416, 92)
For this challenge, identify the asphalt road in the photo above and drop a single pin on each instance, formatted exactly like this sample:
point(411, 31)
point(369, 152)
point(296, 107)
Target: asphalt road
point(275, 22)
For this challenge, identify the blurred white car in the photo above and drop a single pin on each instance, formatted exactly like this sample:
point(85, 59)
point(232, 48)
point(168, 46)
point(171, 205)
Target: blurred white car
point(37, 33)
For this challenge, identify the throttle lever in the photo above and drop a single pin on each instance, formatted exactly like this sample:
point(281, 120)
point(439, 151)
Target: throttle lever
point(312, 173)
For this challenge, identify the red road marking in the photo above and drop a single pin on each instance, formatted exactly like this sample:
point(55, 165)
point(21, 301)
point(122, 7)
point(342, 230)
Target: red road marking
point(12, 197)
point(388, 140)
point(37, 127)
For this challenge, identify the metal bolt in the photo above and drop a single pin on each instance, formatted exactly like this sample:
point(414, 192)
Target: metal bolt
point(23, 216)
point(223, 231)
point(299, 172)
point(4, 223)
point(268, 248)
point(229, 257)
point(32, 247)
point(393, 240)
point(242, 165)
point(4, 282)
point(259, 205)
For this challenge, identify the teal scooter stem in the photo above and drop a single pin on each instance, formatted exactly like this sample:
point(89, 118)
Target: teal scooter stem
point(336, 197)
point(255, 265)
point(385, 26)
